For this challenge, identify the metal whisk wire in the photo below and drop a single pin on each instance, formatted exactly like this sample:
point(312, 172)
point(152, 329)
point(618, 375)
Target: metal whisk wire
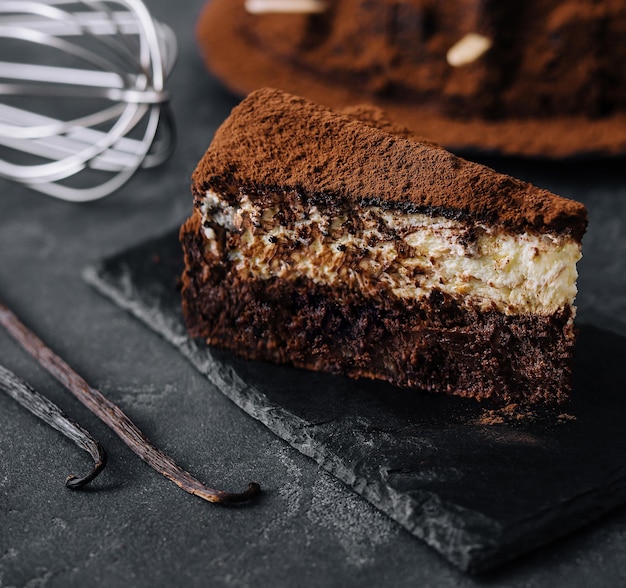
point(132, 58)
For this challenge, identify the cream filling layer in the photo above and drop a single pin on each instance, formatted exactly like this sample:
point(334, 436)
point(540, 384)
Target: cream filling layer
point(407, 255)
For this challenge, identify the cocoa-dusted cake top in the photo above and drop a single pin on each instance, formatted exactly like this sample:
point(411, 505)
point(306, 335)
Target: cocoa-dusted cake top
point(550, 84)
point(274, 139)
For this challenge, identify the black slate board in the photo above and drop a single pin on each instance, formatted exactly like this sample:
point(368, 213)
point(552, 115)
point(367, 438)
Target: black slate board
point(480, 494)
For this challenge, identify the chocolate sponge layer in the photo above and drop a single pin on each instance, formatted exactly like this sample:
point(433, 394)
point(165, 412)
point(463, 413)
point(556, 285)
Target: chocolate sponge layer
point(432, 344)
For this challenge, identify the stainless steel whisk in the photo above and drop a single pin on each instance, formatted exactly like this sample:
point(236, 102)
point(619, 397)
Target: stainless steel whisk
point(114, 57)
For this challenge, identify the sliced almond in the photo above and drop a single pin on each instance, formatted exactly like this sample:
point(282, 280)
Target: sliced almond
point(467, 50)
point(285, 6)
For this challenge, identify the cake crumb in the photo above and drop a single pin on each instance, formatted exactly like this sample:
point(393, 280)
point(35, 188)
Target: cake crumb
point(510, 413)
point(516, 413)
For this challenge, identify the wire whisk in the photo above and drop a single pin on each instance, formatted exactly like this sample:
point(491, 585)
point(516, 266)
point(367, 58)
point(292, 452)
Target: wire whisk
point(83, 105)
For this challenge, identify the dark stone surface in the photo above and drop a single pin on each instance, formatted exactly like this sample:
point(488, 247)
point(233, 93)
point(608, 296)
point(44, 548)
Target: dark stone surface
point(478, 492)
point(136, 528)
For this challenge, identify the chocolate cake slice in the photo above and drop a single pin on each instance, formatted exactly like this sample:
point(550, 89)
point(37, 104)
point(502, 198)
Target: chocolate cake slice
point(323, 242)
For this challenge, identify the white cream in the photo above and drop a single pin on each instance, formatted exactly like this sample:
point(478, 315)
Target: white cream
point(512, 273)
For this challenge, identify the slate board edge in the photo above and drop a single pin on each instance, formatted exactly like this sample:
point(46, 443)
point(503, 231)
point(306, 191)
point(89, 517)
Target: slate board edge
point(474, 554)
point(418, 518)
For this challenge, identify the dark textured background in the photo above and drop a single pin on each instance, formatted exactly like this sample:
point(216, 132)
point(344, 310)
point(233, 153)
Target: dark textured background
point(135, 527)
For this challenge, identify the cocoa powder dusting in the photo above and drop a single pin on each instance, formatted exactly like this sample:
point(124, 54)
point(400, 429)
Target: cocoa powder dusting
point(277, 139)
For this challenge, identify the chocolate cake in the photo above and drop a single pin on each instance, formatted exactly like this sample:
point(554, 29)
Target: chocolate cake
point(524, 78)
point(321, 241)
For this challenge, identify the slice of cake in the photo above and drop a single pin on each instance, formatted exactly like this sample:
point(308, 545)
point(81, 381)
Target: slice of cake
point(320, 241)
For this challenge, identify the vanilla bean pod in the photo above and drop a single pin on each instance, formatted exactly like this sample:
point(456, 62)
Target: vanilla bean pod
point(113, 416)
point(52, 415)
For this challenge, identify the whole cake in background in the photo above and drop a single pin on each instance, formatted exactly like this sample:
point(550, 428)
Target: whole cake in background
point(520, 78)
point(322, 241)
